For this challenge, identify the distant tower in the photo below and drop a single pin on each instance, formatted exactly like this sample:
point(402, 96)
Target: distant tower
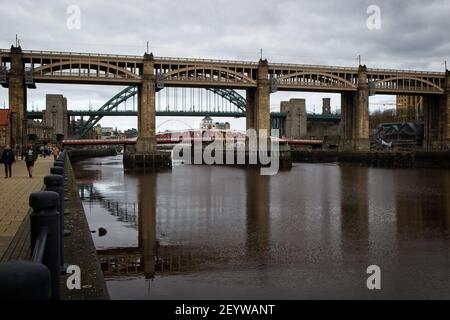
point(55, 114)
point(326, 106)
point(295, 125)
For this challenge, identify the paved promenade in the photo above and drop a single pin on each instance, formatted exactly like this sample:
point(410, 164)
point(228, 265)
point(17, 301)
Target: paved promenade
point(14, 193)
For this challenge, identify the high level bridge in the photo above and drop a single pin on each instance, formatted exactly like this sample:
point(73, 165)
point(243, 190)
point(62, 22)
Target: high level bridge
point(20, 69)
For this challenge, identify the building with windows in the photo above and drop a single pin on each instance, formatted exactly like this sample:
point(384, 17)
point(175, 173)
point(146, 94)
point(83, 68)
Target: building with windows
point(108, 132)
point(402, 134)
point(39, 133)
point(208, 123)
point(410, 108)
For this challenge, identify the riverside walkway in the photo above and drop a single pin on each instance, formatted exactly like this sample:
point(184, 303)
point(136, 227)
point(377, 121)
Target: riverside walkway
point(14, 194)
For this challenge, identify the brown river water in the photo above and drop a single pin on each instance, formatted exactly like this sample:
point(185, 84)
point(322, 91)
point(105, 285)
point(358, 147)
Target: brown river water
point(214, 232)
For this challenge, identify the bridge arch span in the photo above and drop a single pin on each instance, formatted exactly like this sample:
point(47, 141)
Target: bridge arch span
point(393, 83)
point(208, 73)
point(93, 69)
point(324, 79)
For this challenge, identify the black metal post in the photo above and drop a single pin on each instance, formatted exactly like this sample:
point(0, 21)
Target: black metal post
point(59, 163)
point(57, 170)
point(45, 216)
point(55, 183)
point(24, 280)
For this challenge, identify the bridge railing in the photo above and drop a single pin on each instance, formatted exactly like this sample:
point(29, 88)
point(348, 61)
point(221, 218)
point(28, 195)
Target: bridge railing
point(309, 66)
point(85, 54)
point(39, 278)
point(404, 71)
point(158, 59)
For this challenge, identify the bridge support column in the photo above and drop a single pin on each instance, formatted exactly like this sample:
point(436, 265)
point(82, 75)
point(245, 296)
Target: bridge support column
point(250, 108)
point(258, 101)
point(347, 120)
point(446, 106)
point(17, 99)
point(145, 157)
point(436, 121)
point(355, 116)
point(146, 141)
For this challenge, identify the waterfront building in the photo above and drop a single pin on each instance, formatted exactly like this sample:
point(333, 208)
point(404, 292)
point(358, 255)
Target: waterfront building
point(208, 123)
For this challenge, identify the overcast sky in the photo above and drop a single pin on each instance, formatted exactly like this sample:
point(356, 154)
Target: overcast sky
point(413, 35)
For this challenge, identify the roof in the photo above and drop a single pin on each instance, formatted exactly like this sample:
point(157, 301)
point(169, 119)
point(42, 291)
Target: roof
point(405, 128)
point(4, 117)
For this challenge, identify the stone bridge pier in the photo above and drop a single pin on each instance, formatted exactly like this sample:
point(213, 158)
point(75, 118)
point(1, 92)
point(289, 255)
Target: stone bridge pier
point(145, 157)
point(355, 116)
point(258, 101)
point(437, 119)
point(146, 141)
point(258, 117)
point(17, 99)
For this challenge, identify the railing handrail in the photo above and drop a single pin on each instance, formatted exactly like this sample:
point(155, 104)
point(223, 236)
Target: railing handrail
point(40, 246)
point(85, 54)
point(253, 63)
point(373, 70)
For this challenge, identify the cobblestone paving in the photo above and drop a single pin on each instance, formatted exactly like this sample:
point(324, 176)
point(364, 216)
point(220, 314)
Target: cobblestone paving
point(14, 193)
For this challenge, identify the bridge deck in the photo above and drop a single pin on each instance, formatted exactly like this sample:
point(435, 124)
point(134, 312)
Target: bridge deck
point(72, 67)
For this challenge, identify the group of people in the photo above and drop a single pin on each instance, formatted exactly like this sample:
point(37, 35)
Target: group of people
point(49, 150)
point(8, 158)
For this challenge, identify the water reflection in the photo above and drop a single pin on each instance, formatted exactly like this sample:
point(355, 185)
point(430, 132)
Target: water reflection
point(217, 232)
point(125, 212)
point(150, 257)
point(423, 214)
point(147, 222)
point(257, 214)
point(354, 210)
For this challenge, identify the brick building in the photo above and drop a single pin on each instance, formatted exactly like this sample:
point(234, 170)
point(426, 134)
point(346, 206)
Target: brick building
point(4, 128)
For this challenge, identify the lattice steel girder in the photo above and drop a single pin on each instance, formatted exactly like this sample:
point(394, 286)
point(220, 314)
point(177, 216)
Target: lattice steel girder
point(230, 95)
point(112, 103)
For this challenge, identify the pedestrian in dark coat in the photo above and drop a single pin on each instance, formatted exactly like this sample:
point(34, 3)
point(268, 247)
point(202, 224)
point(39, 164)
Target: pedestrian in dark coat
point(30, 158)
point(8, 159)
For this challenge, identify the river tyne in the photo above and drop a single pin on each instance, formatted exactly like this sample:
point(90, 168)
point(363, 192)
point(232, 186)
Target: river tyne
point(215, 232)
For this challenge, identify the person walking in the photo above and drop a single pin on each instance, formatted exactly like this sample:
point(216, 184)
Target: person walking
point(8, 159)
point(30, 158)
